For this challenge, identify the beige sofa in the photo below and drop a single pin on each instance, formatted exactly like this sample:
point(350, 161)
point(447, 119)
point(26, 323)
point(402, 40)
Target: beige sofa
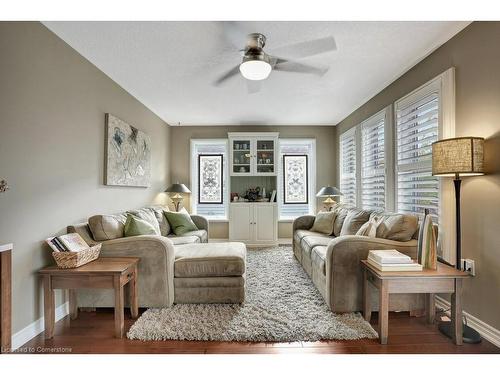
point(172, 269)
point(333, 261)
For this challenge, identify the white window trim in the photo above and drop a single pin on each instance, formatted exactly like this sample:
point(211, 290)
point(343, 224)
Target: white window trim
point(193, 178)
point(311, 175)
point(444, 85)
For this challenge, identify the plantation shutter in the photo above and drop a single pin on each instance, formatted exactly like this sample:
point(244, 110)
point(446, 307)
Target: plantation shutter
point(417, 127)
point(373, 162)
point(348, 167)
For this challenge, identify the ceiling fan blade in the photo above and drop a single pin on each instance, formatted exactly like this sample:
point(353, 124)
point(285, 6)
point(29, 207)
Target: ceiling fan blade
point(229, 74)
point(253, 86)
point(306, 49)
point(296, 67)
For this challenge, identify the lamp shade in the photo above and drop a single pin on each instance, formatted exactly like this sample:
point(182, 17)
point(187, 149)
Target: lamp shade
point(329, 191)
point(178, 188)
point(458, 156)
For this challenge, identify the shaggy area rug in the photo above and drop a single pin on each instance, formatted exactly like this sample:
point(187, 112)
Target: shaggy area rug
point(282, 304)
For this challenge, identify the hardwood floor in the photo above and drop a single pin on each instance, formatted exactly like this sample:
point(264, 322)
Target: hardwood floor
point(93, 332)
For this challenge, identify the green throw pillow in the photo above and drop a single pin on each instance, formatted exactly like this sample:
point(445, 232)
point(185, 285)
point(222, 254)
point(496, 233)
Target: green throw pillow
point(180, 222)
point(136, 227)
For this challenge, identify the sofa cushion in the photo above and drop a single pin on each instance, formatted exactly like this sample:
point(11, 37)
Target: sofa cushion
point(201, 234)
point(310, 242)
point(135, 226)
point(318, 257)
point(148, 215)
point(369, 229)
point(183, 240)
point(341, 211)
point(107, 227)
point(301, 233)
point(162, 220)
point(354, 220)
point(210, 260)
point(180, 222)
point(395, 226)
point(323, 222)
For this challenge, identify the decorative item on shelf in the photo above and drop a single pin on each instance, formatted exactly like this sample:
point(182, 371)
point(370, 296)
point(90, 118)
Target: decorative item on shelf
point(234, 197)
point(252, 194)
point(458, 157)
point(427, 243)
point(176, 191)
point(3, 186)
point(329, 192)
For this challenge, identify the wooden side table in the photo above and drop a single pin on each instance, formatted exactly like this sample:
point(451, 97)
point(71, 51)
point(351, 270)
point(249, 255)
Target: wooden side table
point(103, 273)
point(5, 298)
point(445, 279)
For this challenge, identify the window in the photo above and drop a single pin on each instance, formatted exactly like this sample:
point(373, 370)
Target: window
point(386, 161)
point(417, 127)
point(205, 181)
point(373, 163)
point(305, 150)
point(348, 168)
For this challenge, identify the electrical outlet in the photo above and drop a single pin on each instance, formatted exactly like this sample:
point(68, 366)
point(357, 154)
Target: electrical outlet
point(469, 266)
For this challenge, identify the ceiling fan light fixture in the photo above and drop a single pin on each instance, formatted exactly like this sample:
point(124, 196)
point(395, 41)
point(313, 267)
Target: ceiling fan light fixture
point(255, 70)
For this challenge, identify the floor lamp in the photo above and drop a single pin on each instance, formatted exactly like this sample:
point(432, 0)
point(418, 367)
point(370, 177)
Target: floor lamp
point(458, 157)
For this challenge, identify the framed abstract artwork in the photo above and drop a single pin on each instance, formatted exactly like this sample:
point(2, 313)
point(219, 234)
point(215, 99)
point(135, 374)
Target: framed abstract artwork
point(128, 154)
point(295, 179)
point(210, 178)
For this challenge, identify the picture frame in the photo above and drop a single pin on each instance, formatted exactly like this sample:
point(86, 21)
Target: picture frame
point(209, 165)
point(293, 193)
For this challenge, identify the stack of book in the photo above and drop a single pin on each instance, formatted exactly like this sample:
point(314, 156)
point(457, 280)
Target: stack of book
point(392, 260)
point(67, 242)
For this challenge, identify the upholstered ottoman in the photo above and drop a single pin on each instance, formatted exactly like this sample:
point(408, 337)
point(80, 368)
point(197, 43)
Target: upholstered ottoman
point(210, 273)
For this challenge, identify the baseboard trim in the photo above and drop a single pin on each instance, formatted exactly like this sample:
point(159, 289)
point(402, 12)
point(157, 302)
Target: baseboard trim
point(488, 332)
point(38, 326)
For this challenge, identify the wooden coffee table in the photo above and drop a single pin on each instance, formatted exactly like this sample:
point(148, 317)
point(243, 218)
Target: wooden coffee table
point(103, 273)
point(445, 279)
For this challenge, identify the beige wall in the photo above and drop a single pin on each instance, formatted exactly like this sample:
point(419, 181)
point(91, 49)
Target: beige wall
point(325, 157)
point(52, 105)
point(475, 54)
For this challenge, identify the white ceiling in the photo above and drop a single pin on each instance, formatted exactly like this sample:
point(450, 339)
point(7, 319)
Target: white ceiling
point(170, 66)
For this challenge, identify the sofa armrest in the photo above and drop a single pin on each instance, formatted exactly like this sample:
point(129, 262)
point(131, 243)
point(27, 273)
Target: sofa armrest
point(303, 222)
point(200, 221)
point(156, 267)
point(344, 277)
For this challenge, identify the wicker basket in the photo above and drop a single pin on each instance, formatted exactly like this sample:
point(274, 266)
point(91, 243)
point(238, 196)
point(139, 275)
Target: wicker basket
point(72, 259)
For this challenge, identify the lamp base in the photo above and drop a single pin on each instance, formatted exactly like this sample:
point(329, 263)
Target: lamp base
point(470, 335)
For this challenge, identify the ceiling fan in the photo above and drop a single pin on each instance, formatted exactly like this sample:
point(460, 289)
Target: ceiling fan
point(257, 65)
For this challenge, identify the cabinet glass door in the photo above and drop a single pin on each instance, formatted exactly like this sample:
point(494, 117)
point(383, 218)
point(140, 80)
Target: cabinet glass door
point(265, 156)
point(241, 155)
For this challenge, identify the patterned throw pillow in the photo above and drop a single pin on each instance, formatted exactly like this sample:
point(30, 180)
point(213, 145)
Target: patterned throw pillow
point(135, 226)
point(369, 229)
point(323, 222)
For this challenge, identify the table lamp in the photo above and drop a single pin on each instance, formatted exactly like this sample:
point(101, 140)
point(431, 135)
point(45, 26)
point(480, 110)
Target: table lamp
point(329, 192)
point(176, 190)
point(458, 157)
